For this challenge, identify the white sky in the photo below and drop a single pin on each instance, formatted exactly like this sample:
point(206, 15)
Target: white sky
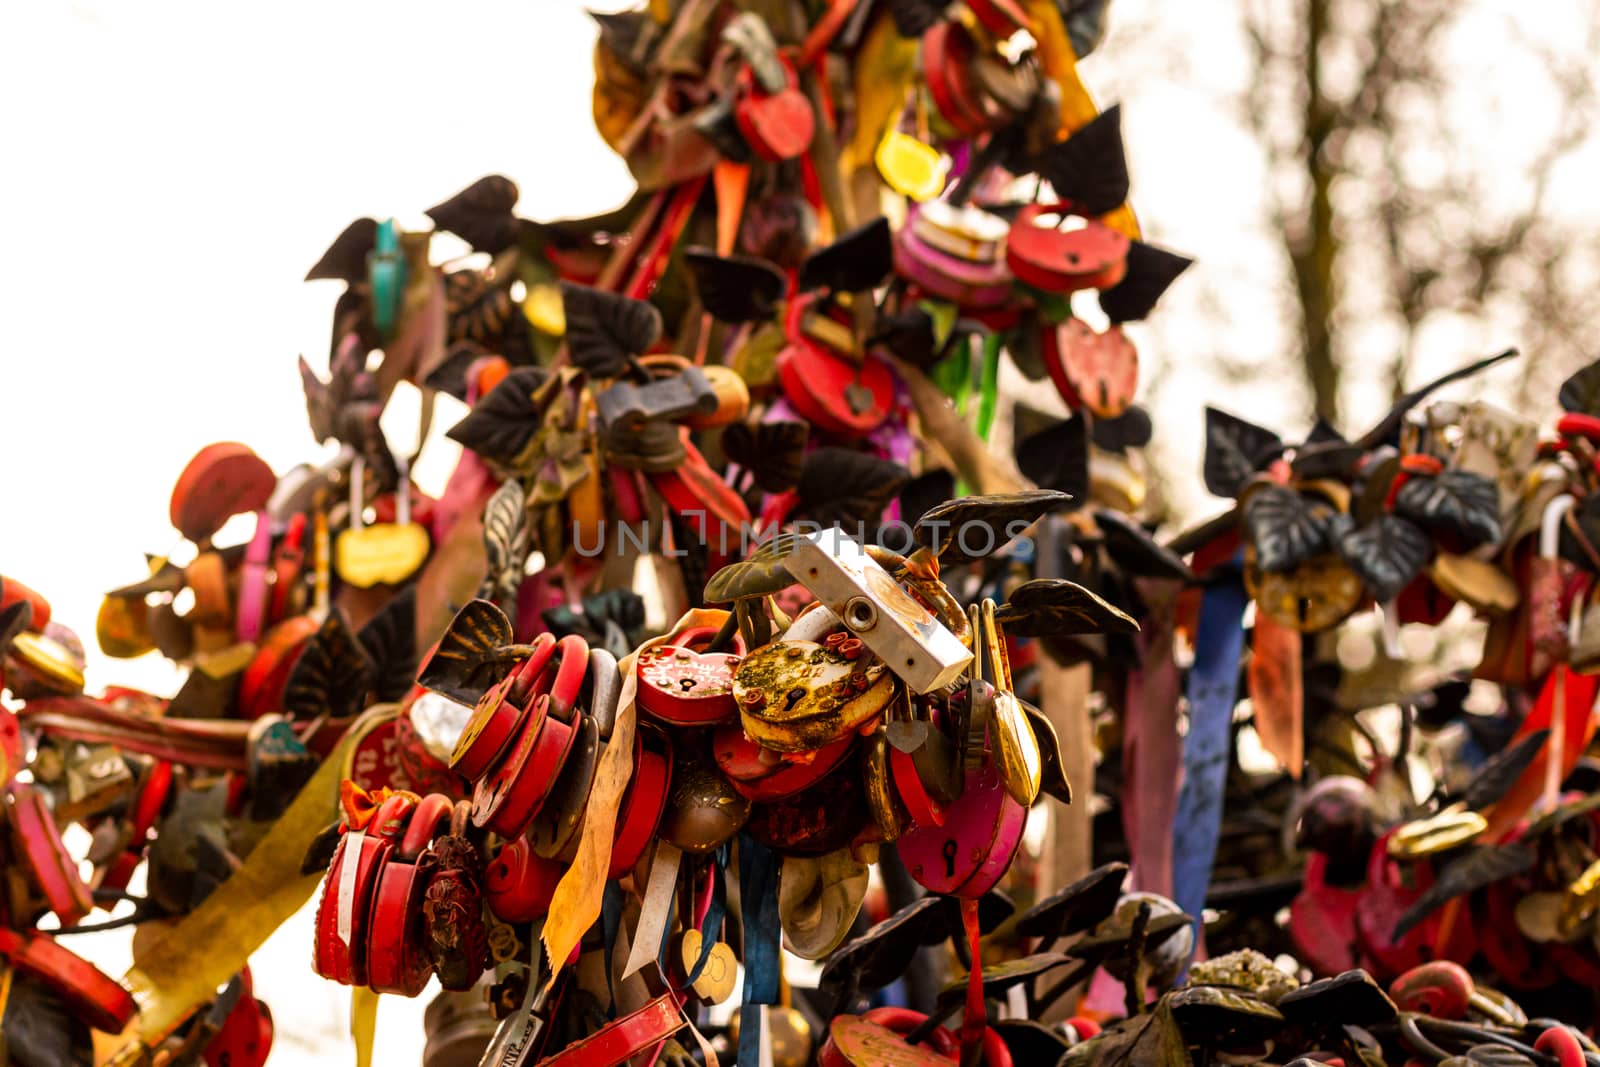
point(172, 169)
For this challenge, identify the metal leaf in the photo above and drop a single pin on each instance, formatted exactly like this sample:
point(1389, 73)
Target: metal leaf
point(1472, 870)
point(1463, 503)
point(884, 953)
point(1134, 551)
point(1285, 527)
point(1085, 903)
point(1209, 1011)
point(1386, 555)
point(462, 666)
point(501, 426)
point(735, 288)
point(1581, 392)
point(1057, 457)
point(1501, 771)
point(761, 574)
point(854, 263)
point(14, 620)
point(346, 259)
point(604, 329)
point(332, 675)
point(1391, 422)
point(1235, 450)
point(774, 452)
point(1056, 607)
point(389, 639)
point(839, 486)
point(481, 214)
point(1089, 168)
point(1151, 272)
point(953, 529)
point(505, 543)
point(1351, 997)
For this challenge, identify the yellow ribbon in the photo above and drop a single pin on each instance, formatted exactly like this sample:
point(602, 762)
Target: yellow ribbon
point(363, 1022)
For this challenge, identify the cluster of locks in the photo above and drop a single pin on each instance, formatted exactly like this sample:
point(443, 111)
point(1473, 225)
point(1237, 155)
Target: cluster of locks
point(790, 826)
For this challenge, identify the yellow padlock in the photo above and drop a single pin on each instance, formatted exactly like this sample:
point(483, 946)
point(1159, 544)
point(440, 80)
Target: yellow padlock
point(385, 553)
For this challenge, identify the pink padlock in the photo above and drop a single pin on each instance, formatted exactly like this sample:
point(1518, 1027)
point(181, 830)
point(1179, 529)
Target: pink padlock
point(972, 850)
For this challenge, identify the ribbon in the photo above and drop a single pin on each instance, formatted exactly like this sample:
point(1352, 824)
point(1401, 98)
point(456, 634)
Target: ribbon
point(975, 1019)
point(1152, 750)
point(1277, 692)
point(363, 1023)
point(656, 908)
point(611, 906)
point(1212, 689)
point(711, 921)
point(758, 900)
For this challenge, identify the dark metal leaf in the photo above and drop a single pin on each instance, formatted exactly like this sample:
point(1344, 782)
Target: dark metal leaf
point(1131, 429)
point(481, 214)
point(167, 579)
point(1081, 905)
point(1029, 1041)
point(910, 334)
point(1501, 771)
point(1391, 422)
point(462, 667)
point(1135, 551)
point(1235, 450)
point(390, 641)
point(1086, 24)
point(1581, 392)
point(346, 259)
point(924, 492)
point(1053, 781)
point(1149, 1040)
point(1211, 1012)
point(772, 451)
point(501, 426)
point(856, 262)
point(1326, 459)
point(1057, 457)
point(1386, 554)
point(761, 574)
point(843, 486)
point(332, 675)
point(319, 853)
point(1285, 527)
point(1351, 997)
point(974, 527)
point(604, 329)
point(735, 288)
point(1470, 871)
point(450, 375)
point(504, 543)
point(884, 953)
point(1055, 607)
point(607, 620)
point(1151, 272)
point(1089, 168)
point(1464, 503)
point(999, 977)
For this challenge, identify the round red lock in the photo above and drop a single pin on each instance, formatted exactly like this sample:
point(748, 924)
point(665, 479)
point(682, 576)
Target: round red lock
point(518, 885)
point(643, 802)
point(531, 669)
point(88, 993)
point(572, 653)
point(141, 817)
point(947, 53)
point(345, 908)
point(762, 775)
point(1576, 424)
point(507, 799)
point(495, 720)
point(1063, 261)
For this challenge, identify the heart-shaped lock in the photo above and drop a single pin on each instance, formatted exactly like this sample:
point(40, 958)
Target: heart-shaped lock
point(510, 795)
point(703, 811)
point(715, 982)
point(1064, 260)
point(968, 854)
point(385, 553)
point(1322, 921)
point(1101, 370)
point(1390, 890)
point(799, 696)
point(777, 124)
point(763, 775)
point(1315, 595)
point(398, 960)
point(345, 908)
point(684, 687)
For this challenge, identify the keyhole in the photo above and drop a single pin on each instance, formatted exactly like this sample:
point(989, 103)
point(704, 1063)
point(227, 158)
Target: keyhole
point(795, 696)
point(1305, 608)
point(686, 684)
point(949, 853)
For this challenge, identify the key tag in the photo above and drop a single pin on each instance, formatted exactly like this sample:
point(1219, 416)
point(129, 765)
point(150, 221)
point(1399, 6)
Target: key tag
point(385, 553)
point(909, 165)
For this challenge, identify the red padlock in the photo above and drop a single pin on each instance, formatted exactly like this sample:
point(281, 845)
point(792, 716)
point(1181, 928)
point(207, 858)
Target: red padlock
point(245, 1038)
point(12, 591)
point(553, 833)
point(1389, 891)
point(345, 909)
point(563, 680)
point(1516, 962)
point(221, 481)
point(947, 53)
point(499, 715)
point(87, 993)
point(644, 801)
point(777, 125)
point(1322, 921)
point(262, 684)
point(518, 884)
point(1102, 368)
point(1094, 256)
point(1441, 989)
point(146, 806)
point(762, 775)
point(44, 857)
point(681, 686)
point(397, 947)
point(509, 796)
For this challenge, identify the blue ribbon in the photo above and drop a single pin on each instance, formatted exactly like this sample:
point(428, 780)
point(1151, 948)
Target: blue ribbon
point(758, 898)
point(1212, 691)
point(611, 905)
point(714, 913)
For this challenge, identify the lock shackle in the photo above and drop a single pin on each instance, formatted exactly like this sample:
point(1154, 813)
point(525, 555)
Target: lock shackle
point(920, 572)
point(434, 812)
point(995, 640)
point(574, 665)
point(528, 672)
point(389, 822)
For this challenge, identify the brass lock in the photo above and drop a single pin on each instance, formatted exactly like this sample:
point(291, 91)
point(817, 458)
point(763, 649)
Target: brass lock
point(905, 635)
point(798, 696)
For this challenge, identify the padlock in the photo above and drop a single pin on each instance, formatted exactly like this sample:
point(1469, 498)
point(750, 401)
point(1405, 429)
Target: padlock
point(96, 778)
point(778, 123)
point(385, 553)
point(345, 908)
point(150, 797)
point(221, 481)
point(262, 684)
point(518, 884)
point(1322, 921)
point(43, 664)
point(398, 960)
point(509, 796)
point(1058, 260)
point(644, 800)
point(1100, 369)
point(703, 810)
point(278, 765)
point(87, 993)
point(680, 685)
point(44, 859)
point(979, 285)
point(798, 696)
point(1315, 596)
point(826, 817)
point(14, 592)
point(500, 714)
point(874, 607)
point(969, 233)
point(925, 765)
point(763, 775)
point(554, 830)
point(947, 52)
point(1392, 888)
point(969, 854)
point(452, 909)
point(625, 406)
point(245, 1037)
